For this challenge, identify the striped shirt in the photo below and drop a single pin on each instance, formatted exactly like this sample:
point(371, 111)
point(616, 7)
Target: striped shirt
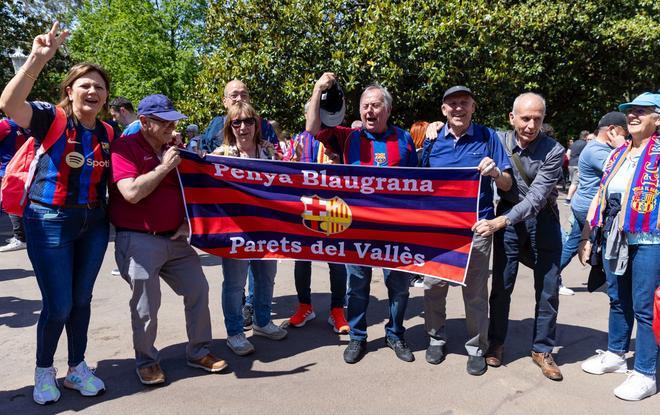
point(76, 168)
point(11, 139)
point(394, 147)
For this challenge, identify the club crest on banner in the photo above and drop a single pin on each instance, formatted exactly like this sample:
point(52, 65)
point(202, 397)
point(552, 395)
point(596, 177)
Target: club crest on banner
point(326, 216)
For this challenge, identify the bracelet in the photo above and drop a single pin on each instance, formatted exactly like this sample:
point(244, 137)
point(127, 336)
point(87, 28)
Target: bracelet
point(28, 74)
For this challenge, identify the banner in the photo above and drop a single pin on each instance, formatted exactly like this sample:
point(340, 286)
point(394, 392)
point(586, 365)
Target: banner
point(408, 219)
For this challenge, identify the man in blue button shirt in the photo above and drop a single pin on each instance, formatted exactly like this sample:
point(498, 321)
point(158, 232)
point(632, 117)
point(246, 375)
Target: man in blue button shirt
point(462, 143)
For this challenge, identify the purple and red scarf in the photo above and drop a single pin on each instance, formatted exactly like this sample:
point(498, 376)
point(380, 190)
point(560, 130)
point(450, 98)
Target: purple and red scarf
point(640, 205)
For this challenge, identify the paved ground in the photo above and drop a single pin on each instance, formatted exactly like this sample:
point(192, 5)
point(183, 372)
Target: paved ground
point(305, 372)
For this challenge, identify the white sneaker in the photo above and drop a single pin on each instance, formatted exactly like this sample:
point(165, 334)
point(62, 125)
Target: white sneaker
point(605, 362)
point(82, 379)
point(270, 330)
point(239, 344)
point(45, 386)
point(13, 245)
point(565, 290)
point(636, 387)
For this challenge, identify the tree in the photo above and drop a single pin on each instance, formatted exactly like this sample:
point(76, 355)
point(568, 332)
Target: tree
point(583, 60)
point(21, 23)
point(146, 46)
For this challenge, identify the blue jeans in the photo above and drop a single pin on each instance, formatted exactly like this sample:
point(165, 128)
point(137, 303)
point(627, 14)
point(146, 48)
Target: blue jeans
point(359, 278)
point(249, 298)
point(303, 277)
point(631, 299)
point(546, 253)
point(234, 273)
point(66, 248)
point(572, 238)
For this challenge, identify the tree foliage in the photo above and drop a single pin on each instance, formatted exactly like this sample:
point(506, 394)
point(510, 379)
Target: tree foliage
point(583, 59)
point(21, 22)
point(146, 46)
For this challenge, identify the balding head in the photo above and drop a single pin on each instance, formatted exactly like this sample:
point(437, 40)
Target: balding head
point(527, 117)
point(529, 99)
point(235, 91)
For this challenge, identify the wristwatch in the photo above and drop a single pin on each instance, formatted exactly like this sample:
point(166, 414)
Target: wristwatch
point(507, 221)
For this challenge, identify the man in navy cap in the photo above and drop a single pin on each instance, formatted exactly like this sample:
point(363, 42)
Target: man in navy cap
point(463, 143)
point(151, 240)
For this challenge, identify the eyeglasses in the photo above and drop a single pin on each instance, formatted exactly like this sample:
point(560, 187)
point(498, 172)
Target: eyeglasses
point(162, 122)
point(249, 122)
point(640, 111)
point(236, 96)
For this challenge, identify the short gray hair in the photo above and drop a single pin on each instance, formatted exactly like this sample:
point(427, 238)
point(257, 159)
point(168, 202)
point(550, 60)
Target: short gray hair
point(526, 95)
point(387, 97)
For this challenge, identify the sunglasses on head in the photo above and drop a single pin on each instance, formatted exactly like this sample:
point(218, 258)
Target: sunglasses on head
point(248, 122)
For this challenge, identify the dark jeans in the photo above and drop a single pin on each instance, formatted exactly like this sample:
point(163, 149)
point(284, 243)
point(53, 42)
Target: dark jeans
point(572, 238)
point(66, 248)
point(303, 277)
point(631, 299)
point(359, 279)
point(17, 227)
point(544, 233)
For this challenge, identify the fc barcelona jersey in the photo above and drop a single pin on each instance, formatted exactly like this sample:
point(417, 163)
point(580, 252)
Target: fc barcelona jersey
point(394, 147)
point(76, 168)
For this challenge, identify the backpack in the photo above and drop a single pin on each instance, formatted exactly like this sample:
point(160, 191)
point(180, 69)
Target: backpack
point(21, 169)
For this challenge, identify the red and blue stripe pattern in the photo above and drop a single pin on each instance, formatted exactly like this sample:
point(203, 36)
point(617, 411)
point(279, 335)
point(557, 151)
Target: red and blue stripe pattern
point(245, 208)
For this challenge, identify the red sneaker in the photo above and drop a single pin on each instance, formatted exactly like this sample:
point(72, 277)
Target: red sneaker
point(304, 313)
point(338, 321)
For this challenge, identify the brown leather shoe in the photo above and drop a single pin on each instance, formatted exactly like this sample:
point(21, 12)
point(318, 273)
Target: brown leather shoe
point(151, 375)
point(547, 365)
point(494, 355)
point(209, 363)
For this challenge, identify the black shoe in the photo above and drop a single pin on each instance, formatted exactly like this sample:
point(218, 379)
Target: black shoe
point(435, 354)
point(476, 365)
point(401, 349)
point(248, 313)
point(355, 351)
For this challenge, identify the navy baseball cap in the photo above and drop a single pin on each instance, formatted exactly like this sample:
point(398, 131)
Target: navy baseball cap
point(456, 89)
point(613, 118)
point(159, 106)
point(333, 107)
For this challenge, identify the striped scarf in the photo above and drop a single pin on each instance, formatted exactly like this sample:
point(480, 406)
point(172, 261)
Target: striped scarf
point(640, 204)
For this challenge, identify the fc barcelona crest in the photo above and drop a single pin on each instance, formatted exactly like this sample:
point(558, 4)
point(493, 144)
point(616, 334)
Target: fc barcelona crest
point(326, 216)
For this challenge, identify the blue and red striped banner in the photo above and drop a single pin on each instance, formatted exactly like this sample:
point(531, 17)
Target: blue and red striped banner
point(408, 219)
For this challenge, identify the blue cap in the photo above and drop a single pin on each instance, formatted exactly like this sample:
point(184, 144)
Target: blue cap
point(159, 106)
point(647, 99)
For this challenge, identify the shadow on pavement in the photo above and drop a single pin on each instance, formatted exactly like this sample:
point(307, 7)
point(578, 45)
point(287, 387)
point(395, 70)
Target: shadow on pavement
point(15, 274)
point(577, 343)
point(17, 312)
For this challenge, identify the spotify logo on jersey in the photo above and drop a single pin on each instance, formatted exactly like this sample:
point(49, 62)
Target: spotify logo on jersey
point(75, 160)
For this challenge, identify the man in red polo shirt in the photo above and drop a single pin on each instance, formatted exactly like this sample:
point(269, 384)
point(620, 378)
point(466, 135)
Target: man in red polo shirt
point(146, 207)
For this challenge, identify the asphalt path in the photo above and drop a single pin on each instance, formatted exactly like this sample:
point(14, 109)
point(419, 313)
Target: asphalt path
point(305, 373)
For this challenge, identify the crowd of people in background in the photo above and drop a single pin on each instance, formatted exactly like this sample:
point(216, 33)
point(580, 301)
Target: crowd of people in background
point(91, 177)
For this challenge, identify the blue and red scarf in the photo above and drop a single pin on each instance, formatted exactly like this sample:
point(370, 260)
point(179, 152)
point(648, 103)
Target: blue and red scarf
point(640, 205)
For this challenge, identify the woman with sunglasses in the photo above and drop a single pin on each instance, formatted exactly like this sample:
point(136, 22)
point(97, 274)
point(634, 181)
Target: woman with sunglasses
point(65, 220)
point(242, 138)
point(627, 210)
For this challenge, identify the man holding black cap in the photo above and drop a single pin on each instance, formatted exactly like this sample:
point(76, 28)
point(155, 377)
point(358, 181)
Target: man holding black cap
point(612, 130)
point(462, 143)
point(150, 242)
point(369, 145)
